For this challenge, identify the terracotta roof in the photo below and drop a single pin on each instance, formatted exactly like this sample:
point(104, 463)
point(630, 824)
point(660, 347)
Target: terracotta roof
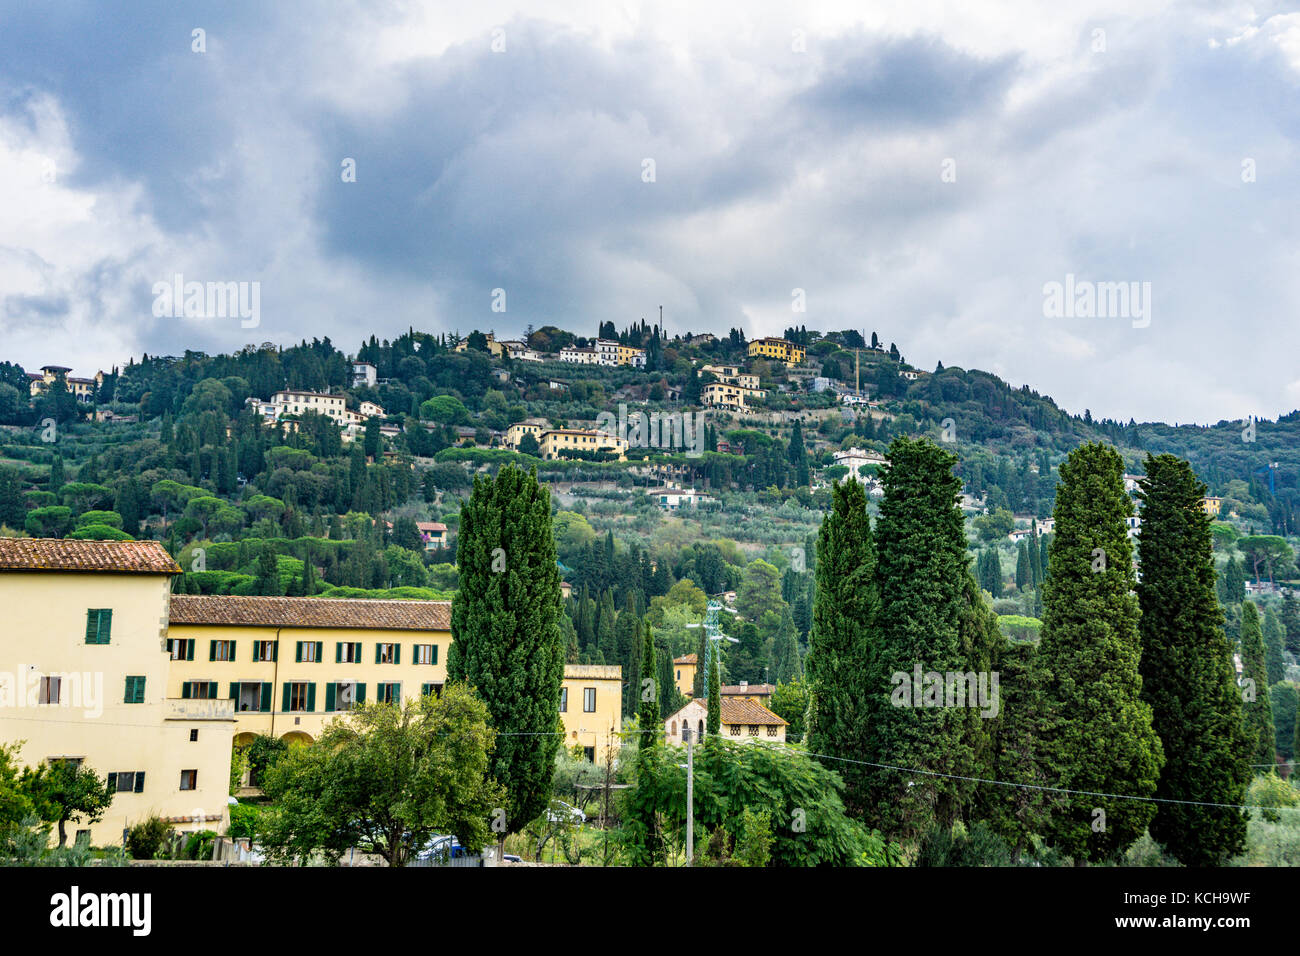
point(686, 659)
point(430, 526)
point(747, 712)
point(593, 672)
point(54, 554)
point(743, 689)
point(310, 612)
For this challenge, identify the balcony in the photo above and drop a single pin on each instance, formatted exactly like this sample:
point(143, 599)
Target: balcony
point(176, 708)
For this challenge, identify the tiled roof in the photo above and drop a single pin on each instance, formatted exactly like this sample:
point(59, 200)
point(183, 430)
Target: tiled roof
point(686, 659)
point(593, 671)
point(54, 554)
point(310, 612)
point(742, 689)
point(430, 526)
point(747, 712)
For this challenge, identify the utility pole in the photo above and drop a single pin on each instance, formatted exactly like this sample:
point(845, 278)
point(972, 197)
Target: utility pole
point(690, 797)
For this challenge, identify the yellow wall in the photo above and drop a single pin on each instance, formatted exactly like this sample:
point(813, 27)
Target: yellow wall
point(599, 729)
point(684, 674)
point(44, 632)
point(286, 669)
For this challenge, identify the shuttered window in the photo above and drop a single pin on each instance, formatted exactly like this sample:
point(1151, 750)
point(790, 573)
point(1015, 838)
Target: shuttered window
point(134, 690)
point(99, 624)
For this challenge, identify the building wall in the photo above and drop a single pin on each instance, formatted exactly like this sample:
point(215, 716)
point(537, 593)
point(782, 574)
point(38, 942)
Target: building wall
point(597, 730)
point(684, 677)
point(44, 632)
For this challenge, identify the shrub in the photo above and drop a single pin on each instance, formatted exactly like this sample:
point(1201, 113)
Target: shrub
point(145, 840)
point(243, 820)
point(199, 845)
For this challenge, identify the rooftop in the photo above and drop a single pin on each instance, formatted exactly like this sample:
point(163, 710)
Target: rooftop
point(118, 557)
point(594, 671)
point(231, 610)
point(748, 689)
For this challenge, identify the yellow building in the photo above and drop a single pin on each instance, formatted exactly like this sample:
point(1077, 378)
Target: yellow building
point(591, 707)
point(529, 426)
point(85, 679)
point(1211, 505)
point(742, 720)
point(779, 349)
point(298, 402)
point(722, 395)
point(684, 673)
point(562, 442)
point(732, 375)
point(82, 388)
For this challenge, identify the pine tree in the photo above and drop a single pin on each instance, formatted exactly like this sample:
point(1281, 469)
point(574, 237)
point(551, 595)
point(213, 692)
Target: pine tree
point(921, 573)
point(1187, 672)
point(1273, 646)
point(1257, 709)
point(507, 642)
point(840, 640)
point(1099, 734)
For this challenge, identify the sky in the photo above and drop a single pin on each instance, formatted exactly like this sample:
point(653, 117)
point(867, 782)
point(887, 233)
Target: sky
point(925, 170)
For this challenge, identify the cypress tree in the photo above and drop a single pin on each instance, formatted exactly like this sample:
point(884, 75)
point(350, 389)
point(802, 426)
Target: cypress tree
point(1273, 646)
point(1022, 566)
point(1257, 709)
point(1099, 733)
point(506, 637)
point(606, 638)
point(921, 574)
point(1235, 581)
point(1035, 556)
point(1017, 813)
point(1044, 550)
point(1187, 672)
point(714, 725)
point(785, 652)
point(840, 640)
point(699, 684)
point(1291, 622)
point(650, 690)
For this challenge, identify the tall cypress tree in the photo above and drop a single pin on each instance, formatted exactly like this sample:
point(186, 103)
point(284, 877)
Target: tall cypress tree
point(921, 574)
point(1099, 734)
point(1035, 556)
point(1187, 672)
point(1023, 576)
point(1273, 646)
point(506, 637)
point(650, 690)
point(714, 725)
point(840, 641)
point(1290, 622)
point(1258, 710)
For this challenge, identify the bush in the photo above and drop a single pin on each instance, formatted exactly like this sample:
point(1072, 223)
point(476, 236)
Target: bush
point(145, 840)
point(1268, 791)
point(199, 845)
point(243, 820)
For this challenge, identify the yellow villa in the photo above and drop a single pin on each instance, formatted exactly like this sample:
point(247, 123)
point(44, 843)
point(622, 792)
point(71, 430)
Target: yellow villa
point(85, 679)
point(591, 707)
point(563, 442)
point(780, 349)
point(684, 672)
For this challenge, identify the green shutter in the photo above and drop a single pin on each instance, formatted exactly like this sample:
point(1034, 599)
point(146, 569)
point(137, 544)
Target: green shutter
point(361, 693)
point(377, 652)
point(320, 651)
point(92, 627)
point(234, 695)
point(266, 696)
point(232, 651)
point(356, 653)
point(338, 652)
point(189, 649)
point(139, 781)
point(212, 650)
point(286, 697)
point(298, 653)
point(397, 653)
point(105, 625)
point(329, 696)
point(434, 658)
point(212, 690)
point(185, 690)
point(311, 698)
point(275, 650)
point(397, 692)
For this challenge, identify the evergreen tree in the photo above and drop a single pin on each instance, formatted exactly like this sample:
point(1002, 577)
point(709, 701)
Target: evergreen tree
point(798, 455)
point(650, 691)
point(606, 638)
point(921, 573)
point(1291, 622)
point(714, 725)
point(1187, 672)
point(13, 510)
point(840, 640)
point(990, 568)
point(1099, 733)
point(1257, 709)
point(787, 665)
point(1022, 566)
point(1235, 581)
point(1035, 556)
point(507, 642)
point(268, 573)
point(1018, 813)
point(1273, 646)
point(56, 474)
point(1044, 549)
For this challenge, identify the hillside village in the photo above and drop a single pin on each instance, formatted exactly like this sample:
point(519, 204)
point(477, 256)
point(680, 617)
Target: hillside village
point(271, 539)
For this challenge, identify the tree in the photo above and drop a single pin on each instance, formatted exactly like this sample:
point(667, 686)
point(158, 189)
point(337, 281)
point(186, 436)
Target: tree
point(990, 572)
point(15, 801)
point(840, 642)
point(1187, 672)
point(1234, 581)
point(786, 663)
point(506, 636)
point(1099, 736)
point(65, 790)
point(1291, 622)
point(1265, 549)
point(13, 511)
point(921, 573)
point(1257, 710)
point(714, 725)
point(385, 779)
point(1022, 566)
point(790, 703)
point(1273, 641)
point(995, 525)
point(760, 591)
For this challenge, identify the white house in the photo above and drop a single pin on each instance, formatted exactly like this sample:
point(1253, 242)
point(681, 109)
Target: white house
point(363, 373)
point(743, 720)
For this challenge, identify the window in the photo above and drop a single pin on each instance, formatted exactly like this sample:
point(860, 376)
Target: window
point(131, 781)
point(735, 729)
point(771, 730)
point(99, 622)
point(389, 693)
point(589, 700)
point(189, 779)
point(344, 695)
point(134, 691)
point(589, 753)
point(309, 652)
point(388, 653)
point(434, 690)
point(426, 653)
point(180, 648)
point(300, 696)
point(221, 650)
point(564, 700)
point(50, 689)
point(679, 673)
point(252, 696)
point(194, 734)
point(345, 652)
point(753, 730)
point(266, 650)
point(199, 690)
